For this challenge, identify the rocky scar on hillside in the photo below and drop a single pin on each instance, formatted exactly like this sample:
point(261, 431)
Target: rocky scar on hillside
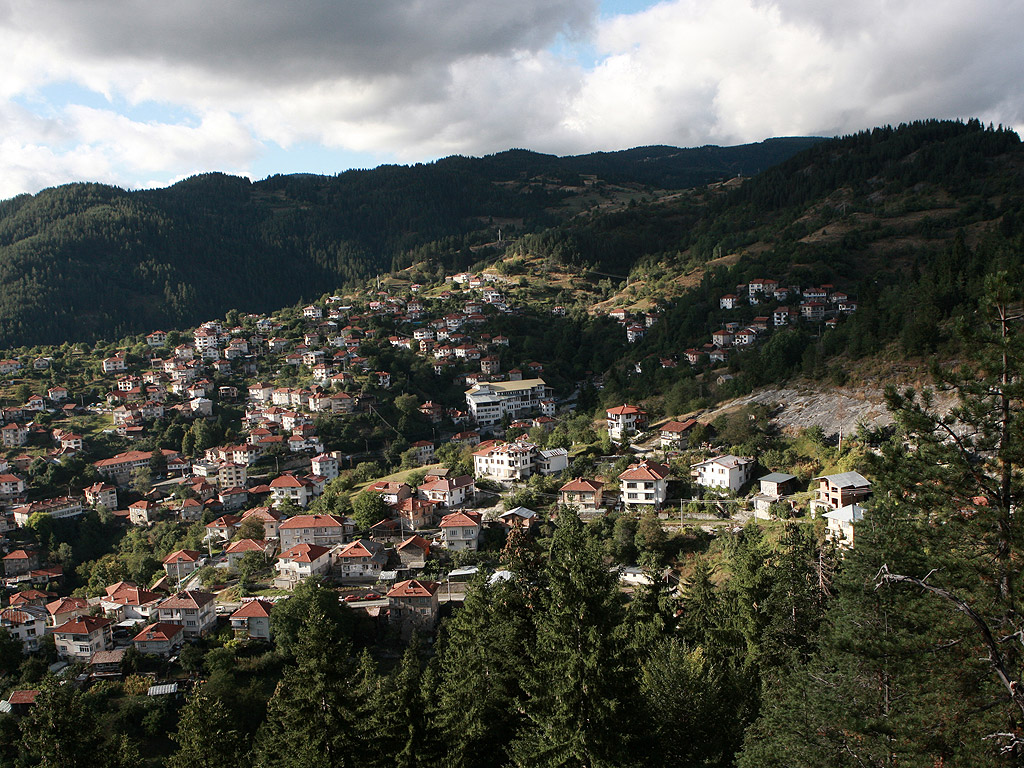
point(834, 409)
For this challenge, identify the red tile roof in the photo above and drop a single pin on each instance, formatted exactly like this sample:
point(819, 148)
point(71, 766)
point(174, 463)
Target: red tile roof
point(254, 609)
point(413, 588)
point(304, 553)
point(162, 631)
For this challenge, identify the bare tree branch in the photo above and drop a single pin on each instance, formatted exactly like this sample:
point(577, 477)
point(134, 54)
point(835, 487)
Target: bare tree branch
point(1013, 687)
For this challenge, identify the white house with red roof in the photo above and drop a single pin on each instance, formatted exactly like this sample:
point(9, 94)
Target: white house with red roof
point(461, 530)
point(126, 601)
point(301, 562)
point(448, 491)
point(323, 530)
point(625, 420)
point(236, 550)
point(584, 494)
point(645, 483)
point(194, 610)
point(673, 433)
point(26, 624)
point(182, 562)
point(361, 560)
point(160, 639)
point(252, 620)
point(79, 639)
point(65, 609)
point(288, 487)
point(413, 604)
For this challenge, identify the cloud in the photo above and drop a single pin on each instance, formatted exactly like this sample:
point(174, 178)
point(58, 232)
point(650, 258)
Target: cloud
point(695, 71)
point(192, 85)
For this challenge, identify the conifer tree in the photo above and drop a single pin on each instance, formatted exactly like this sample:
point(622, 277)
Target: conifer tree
point(206, 734)
point(311, 716)
point(579, 690)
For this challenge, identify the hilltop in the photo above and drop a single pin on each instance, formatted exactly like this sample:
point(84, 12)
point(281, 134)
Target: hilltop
point(87, 261)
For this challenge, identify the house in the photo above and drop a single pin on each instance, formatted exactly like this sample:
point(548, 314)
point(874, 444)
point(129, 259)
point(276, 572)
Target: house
point(325, 465)
point(223, 528)
point(252, 620)
point(124, 601)
point(673, 434)
point(625, 420)
point(142, 512)
point(413, 604)
point(270, 519)
point(461, 530)
point(236, 550)
point(160, 639)
point(119, 468)
point(13, 435)
point(392, 493)
point(841, 524)
point(182, 562)
point(723, 472)
point(99, 494)
point(65, 609)
point(583, 494)
point(288, 487)
point(107, 664)
point(322, 530)
point(20, 562)
point(505, 461)
point(55, 508)
point(362, 560)
point(519, 518)
point(729, 301)
point(448, 491)
point(26, 624)
point(192, 609)
point(301, 562)
point(644, 483)
point(550, 461)
point(79, 639)
point(837, 491)
point(423, 452)
point(773, 487)
point(413, 552)
point(415, 513)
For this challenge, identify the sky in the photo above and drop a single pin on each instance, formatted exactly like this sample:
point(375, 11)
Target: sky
point(140, 93)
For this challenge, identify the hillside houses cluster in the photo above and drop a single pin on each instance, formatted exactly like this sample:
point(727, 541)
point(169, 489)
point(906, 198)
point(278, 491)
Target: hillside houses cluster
point(783, 305)
point(635, 324)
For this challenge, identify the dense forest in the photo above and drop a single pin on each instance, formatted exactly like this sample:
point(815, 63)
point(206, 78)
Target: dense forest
point(86, 261)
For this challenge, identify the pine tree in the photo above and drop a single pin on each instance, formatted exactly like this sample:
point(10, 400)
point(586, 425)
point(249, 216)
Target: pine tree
point(579, 689)
point(206, 734)
point(311, 716)
point(480, 661)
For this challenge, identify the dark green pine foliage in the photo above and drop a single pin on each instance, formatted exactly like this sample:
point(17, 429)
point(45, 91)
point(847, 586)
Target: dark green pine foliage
point(693, 706)
point(393, 726)
point(480, 657)
point(892, 682)
point(207, 734)
point(580, 691)
point(311, 719)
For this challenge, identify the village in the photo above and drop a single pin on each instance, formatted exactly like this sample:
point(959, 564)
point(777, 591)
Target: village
point(263, 507)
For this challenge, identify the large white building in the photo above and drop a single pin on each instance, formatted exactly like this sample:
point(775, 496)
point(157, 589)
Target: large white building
point(491, 401)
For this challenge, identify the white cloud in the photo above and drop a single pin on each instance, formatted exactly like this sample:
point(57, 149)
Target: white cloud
point(417, 79)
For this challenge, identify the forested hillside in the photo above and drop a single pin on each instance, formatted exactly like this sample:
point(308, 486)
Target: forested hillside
point(84, 261)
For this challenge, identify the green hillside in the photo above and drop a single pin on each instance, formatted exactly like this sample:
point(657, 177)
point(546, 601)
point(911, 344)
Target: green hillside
point(84, 261)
